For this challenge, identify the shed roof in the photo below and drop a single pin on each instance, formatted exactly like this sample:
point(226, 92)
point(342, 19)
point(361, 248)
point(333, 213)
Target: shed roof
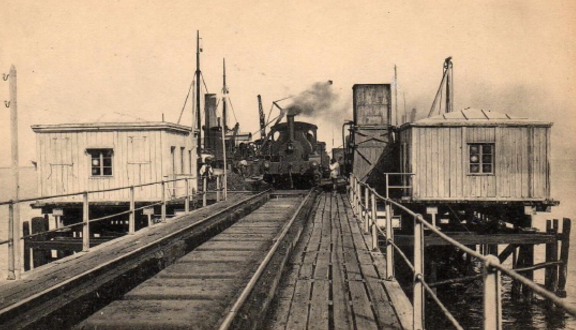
point(477, 117)
point(112, 126)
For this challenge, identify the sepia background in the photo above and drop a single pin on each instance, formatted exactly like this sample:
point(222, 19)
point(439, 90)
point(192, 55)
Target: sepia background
point(128, 60)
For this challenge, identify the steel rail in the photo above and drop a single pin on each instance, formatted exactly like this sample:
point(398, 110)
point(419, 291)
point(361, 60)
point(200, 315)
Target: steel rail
point(248, 289)
point(133, 252)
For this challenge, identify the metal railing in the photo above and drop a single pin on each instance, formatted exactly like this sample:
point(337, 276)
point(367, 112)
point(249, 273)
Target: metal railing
point(13, 241)
point(492, 269)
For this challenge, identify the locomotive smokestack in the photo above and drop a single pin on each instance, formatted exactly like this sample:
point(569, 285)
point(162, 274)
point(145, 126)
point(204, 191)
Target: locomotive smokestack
point(290, 121)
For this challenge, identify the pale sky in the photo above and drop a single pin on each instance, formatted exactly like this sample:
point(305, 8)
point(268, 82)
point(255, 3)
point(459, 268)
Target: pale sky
point(85, 61)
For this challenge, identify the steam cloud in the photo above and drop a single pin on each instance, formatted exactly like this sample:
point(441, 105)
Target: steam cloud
point(316, 101)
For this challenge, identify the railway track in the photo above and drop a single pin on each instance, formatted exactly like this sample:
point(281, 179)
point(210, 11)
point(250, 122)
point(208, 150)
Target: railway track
point(225, 283)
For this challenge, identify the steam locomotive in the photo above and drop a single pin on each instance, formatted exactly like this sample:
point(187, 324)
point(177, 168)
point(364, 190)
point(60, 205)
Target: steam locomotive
point(291, 156)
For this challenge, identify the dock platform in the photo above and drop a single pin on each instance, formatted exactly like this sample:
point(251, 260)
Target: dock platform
point(334, 280)
point(326, 275)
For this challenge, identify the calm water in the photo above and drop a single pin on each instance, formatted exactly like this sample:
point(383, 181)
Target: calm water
point(467, 307)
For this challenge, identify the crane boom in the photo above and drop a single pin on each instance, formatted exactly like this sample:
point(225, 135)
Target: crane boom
point(262, 118)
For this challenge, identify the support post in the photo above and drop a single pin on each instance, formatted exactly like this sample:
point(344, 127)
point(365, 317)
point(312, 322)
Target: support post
point(389, 247)
point(204, 185)
point(366, 210)
point(492, 292)
point(418, 300)
point(526, 259)
point(163, 206)
point(387, 186)
point(132, 217)
point(217, 188)
point(551, 273)
point(86, 223)
point(351, 191)
point(13, 274)
point(564, 251)
point(374, 212)
point(15, 170)
point(187, 198)
point(358, 197)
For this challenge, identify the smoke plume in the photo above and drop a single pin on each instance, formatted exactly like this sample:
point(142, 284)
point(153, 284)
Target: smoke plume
point(316, 101)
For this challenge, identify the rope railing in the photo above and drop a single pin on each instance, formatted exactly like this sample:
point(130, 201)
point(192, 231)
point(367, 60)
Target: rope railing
point(13, 241)
point(363, 200)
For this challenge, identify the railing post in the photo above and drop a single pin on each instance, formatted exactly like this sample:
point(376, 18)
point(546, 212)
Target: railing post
point(217, 188)
point(204, 185)
point(365, 210)
point(358, 197)
point(187, 198)
point(374, 212)
point(418, 300)
point(13, 244)
point(492, 290)
point(352, 192)
point(225, 186)
point(387, 186)
point(132, 216)
point(86, 223)
point(163, 206)
point(389, 239)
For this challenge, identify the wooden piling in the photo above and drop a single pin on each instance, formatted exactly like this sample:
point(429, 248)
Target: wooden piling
point(526, 259)
point(551, 273)
point(564, 251)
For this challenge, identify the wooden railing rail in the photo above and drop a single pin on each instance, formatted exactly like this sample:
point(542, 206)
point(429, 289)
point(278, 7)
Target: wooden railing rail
point(14, 260)
point(364, 199)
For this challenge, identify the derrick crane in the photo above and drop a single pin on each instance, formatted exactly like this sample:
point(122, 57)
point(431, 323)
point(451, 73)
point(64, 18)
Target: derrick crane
point(262, 118)
point(448, 81)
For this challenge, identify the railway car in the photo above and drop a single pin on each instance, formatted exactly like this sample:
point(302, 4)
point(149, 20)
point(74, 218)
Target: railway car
point(291, 156)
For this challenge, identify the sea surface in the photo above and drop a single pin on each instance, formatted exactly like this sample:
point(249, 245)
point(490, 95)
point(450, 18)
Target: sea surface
point(467, 308)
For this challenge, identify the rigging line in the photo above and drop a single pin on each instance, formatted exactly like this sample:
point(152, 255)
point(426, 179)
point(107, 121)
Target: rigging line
point(440, 88)
point(185, 101)
point(233, 112)
point(204, 82)
point(268, 123)
point(270, 112)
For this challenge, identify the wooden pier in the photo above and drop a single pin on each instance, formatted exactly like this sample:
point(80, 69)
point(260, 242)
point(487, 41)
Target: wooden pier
point(331, 278)
point(335, 281)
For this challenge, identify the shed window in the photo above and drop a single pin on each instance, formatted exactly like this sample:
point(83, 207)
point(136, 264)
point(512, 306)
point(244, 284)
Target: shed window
point(481, 158)
point(101, 161)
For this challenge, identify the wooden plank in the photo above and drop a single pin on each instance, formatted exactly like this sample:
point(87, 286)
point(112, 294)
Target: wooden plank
point(362, 312)
point(340, 293)
point(185, 289)
point(319, 305)
point(385, 314)
point(143, 314)
point(467, 239)
point(298, 315)
point(322, 267)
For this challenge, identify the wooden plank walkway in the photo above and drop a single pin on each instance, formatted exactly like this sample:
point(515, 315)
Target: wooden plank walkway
point(58, 293)
point(334, 280)
point(198, 289)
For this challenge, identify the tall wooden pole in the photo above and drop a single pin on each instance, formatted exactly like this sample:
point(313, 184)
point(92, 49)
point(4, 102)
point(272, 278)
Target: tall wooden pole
point(198, 82)
point(14, 272)
point(396, 94)
point(224, 95)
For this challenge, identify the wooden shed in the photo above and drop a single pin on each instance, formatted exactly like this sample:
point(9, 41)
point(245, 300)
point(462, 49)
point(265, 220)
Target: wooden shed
point(94, 156)
point(477, 155)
